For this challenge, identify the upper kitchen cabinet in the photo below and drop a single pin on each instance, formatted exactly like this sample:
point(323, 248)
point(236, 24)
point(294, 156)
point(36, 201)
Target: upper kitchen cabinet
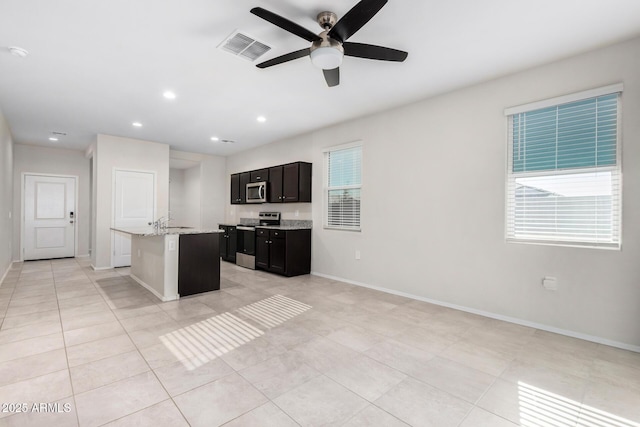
point(259, 175)
point(286, 183)
point(290, 183)
point(239, 183)
point(274, 191)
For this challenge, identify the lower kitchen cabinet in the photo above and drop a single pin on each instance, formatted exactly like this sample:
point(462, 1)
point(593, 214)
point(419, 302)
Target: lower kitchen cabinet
point(196, 271)
point(286, 252)
point(228, 242)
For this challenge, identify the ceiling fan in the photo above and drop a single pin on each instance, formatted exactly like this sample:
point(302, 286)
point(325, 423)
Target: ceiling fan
point(328, 48)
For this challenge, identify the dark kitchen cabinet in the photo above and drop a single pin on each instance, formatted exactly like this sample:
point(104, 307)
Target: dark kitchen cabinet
point(286, 183)
point(228, 242)
point(235, 188)
point(259, 175)
point(197, 273)
point(277, 251)
point(262, 249)
point(290, 183)
point(239, 183)
point(286, 252)
point(275, 184)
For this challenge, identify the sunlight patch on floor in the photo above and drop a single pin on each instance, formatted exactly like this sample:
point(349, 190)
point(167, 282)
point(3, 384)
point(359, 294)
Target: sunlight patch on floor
point(201, 342)
point(541, 408)
point(274, 310)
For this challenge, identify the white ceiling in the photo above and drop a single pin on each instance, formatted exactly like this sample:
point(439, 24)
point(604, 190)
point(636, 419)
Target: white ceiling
point(97, 66)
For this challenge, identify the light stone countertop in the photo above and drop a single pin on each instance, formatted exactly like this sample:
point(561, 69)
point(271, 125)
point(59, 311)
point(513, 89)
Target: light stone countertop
point(150, 231)
point(304, 226)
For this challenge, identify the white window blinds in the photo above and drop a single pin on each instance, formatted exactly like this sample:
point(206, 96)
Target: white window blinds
point(563, 180)
point(343, 186)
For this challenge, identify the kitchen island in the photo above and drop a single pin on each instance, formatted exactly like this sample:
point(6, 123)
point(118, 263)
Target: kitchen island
point(175, 262)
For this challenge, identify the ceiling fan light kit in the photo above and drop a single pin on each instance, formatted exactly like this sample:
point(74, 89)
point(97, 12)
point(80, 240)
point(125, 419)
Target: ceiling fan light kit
point(326, 53)
point(330, 46)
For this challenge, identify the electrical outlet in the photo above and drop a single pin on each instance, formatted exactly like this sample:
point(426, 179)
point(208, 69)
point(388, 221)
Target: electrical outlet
point(297, 213)
point(357, 254)
point(172, 245)
point(550, 283)
point(138, 253)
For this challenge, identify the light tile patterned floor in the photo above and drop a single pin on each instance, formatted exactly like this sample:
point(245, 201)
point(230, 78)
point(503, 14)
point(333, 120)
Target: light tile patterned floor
point(273, 351)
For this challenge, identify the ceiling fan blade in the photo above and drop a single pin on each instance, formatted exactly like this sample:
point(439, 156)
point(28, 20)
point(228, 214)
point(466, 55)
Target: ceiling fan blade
point(284, 58)
point(370, 51)
point(285, 24)
point(359, 15)
point(332, 76)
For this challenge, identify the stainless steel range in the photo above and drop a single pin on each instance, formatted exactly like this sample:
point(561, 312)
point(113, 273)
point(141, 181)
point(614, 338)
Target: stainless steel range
point(246, 250)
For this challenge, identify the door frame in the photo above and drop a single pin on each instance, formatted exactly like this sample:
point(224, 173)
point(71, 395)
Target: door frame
point(113, 200)
point(75, 208)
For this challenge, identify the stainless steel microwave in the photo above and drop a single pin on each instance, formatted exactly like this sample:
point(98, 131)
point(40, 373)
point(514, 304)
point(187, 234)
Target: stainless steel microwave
point(257, 192)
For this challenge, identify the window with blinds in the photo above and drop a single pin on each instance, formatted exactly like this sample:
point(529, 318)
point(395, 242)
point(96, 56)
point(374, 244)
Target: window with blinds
point(342, 187)
point(564, 175)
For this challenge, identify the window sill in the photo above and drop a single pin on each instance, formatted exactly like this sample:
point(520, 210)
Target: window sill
point(326, 227)
point(579, 245)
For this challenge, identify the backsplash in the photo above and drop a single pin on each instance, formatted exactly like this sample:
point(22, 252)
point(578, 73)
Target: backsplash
point(289, 211)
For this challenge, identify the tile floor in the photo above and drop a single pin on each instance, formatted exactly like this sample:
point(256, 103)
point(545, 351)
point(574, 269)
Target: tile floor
point(273, 351)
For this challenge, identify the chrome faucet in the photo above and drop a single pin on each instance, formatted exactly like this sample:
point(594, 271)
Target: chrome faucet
point(161, 224)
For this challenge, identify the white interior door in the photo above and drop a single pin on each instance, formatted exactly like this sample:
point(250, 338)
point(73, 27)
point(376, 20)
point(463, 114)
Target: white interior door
point(49, 217)
point(134, 206)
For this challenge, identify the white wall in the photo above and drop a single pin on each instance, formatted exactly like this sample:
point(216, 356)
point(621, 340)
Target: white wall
point(434, 201)
point(55, 161)
point(6, 195)
point(112, 152)
point(213, 183)
point(177, 206)
point(192, 196)
point(185, 192)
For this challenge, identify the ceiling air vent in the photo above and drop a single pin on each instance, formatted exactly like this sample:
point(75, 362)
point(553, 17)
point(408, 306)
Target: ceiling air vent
point(244, 46)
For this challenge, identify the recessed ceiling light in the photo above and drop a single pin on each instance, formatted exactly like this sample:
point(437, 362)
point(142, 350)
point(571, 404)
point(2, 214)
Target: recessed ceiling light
point(137, 124)
point(54, 139)
point(261, 119)
point(169, 95)
point(215, 139)
point(18, 51)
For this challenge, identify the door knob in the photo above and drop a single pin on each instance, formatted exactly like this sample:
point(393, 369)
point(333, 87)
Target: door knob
point(71, 222)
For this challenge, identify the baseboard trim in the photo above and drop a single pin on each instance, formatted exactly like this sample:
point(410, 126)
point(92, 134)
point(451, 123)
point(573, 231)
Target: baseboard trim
point(517, 321)
point(5, 273)
point(150, 289)
point(100, 268)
